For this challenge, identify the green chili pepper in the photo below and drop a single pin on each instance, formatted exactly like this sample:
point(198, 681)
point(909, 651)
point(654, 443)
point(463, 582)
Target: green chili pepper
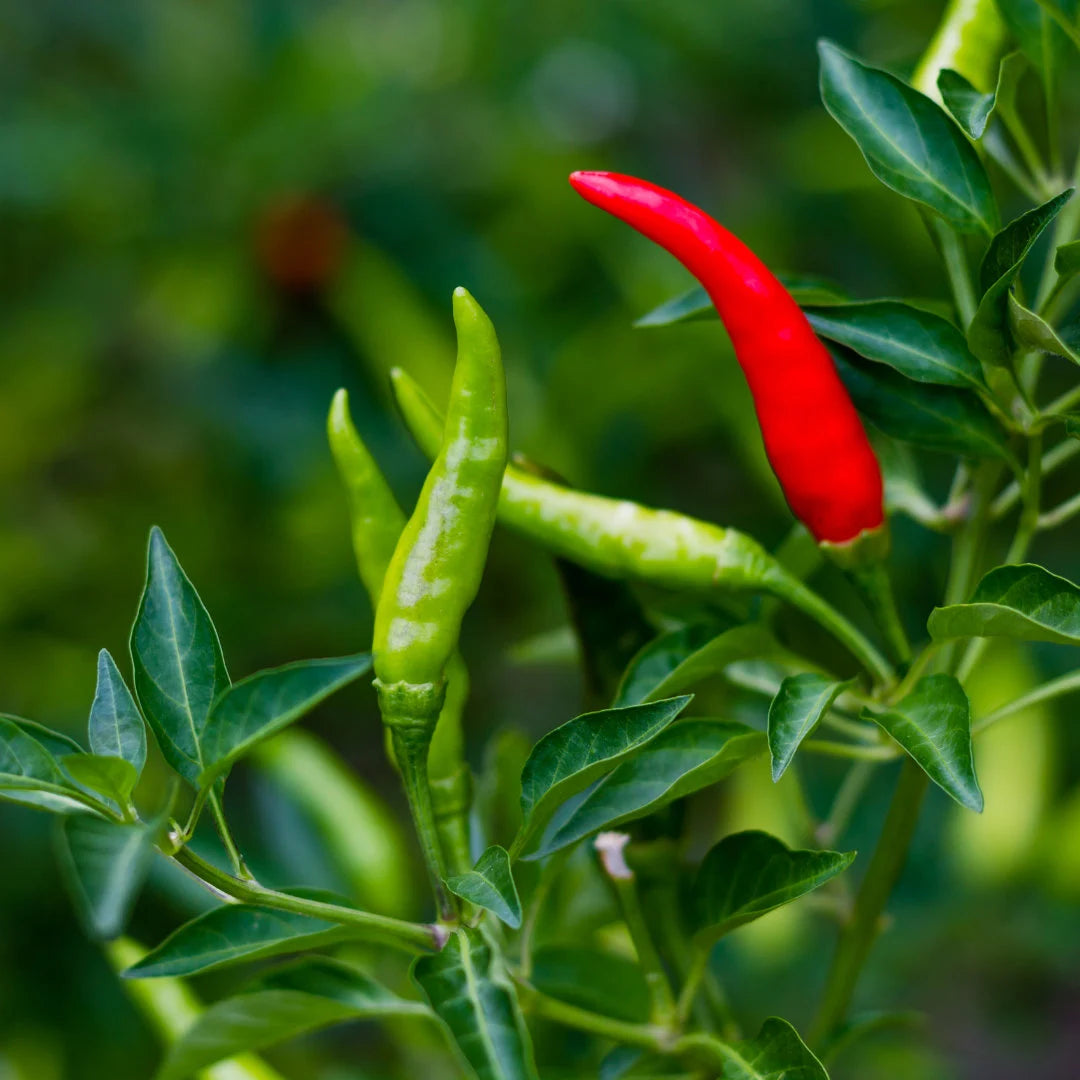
point(377, 523)
point(626, 540)
point(968, 39)
point(436, 568)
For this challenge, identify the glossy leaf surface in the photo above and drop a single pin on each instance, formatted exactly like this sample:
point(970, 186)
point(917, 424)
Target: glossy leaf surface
point(572, 756)
point(795, 711)
point(233, 934)
point(112, 777)
point(922, 346)
point(29, 774)
point(478, 1006)
point(749, 874)
point(909, 142)
point(116, 725)
point(1025, 602)
point(179, 668)
point(293, 1001)
point(1033, 332)
point(490, 885)
point(261, 705)
point(105, 865)
point(933, 725)
point(688, 756)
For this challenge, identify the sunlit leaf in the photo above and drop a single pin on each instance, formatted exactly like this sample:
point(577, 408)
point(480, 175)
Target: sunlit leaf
point(909, 141)
point(179, 669)
point(1033, 332)
point(775, 1053)
point(795, 711)
point(112, 777)
point(29, 774)
point(933, 724)
point(478, 1005)
point(490, 885)
point(261, 705)
point(688, 756)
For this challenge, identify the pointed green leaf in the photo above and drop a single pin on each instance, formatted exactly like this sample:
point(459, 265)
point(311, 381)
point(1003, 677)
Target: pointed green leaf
point(933, 724)
point(988, 332)
point(909, 141)
point(477, 1003)
point(1033, 332)
point(490, 885)
point(683, 759)
point(29, 774)
point(232, 934)
point(571, 757)
point(116, 725)
point(295, 1000)
point(684, 657)
point(1025, 602)
point(969, 107)
point(112, 777)
point(934, 417)
point(798, 707)
point(749, 874)
point(602, 982)
point(775, 1053)
point(105, 866)
point(54, 742)
point(922, 346)
point(262, 704)
point(179, 669)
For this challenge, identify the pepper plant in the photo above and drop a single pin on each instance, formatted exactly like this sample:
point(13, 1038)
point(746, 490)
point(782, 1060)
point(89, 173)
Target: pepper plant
point(852, 395)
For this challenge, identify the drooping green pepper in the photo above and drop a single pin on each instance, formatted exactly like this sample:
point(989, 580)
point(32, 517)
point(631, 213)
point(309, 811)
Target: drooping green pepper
point(377, 523)
point(623, 539)
point(437, 564)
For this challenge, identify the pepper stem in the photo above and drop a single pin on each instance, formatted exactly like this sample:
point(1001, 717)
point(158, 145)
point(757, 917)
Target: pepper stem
point(874, 583)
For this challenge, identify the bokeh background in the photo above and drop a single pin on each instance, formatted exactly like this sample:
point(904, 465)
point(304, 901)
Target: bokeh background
point(212, 214)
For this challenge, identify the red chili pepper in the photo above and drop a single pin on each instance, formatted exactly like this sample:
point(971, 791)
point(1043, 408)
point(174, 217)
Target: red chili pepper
point(814, 439)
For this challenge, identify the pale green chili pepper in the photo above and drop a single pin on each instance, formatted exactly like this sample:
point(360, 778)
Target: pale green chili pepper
point(436, 568)
point(377, 523)
point(626, 540)
point(968, 39)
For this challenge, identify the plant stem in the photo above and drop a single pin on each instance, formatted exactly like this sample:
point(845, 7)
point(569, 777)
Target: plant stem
point(1031, 494)
point(823, 613)
point(1060, 513)
point(844, 803)
point(695, 975)
point(412, 937)
point(850, 750)
point(956, 266)
point(876, 586)
point(1066, 684)
point(235, 858)
point(884, 871)
point(1053, 459)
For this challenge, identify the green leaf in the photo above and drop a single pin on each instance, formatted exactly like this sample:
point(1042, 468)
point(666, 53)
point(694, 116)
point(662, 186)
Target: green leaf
point(54, 742)
point(685, 657)
point(29, 774)
point(572, 756)
point(1067, 260)
point(1040, 30)
point(477, 1003)
point(749, 874)
point(798, 707)
point(934, 417)
point(969, 107)
point(688, 756)
point(775, 1053)
point(112, 777)
point(988, 332)
point(179, 669)
point(695, 305)
point(116, 725)
point(490, 885)
point(933, 725)
point(292, 1001)
point(922, 346)
point(909, 142)
point(1033, 332)
point(1025, 602)
point(233, 934)
point(262, 704)
point(602, 982)
point(105, 866)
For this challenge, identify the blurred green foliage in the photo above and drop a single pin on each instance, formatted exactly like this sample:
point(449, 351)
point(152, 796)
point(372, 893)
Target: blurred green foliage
point(212, 214)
